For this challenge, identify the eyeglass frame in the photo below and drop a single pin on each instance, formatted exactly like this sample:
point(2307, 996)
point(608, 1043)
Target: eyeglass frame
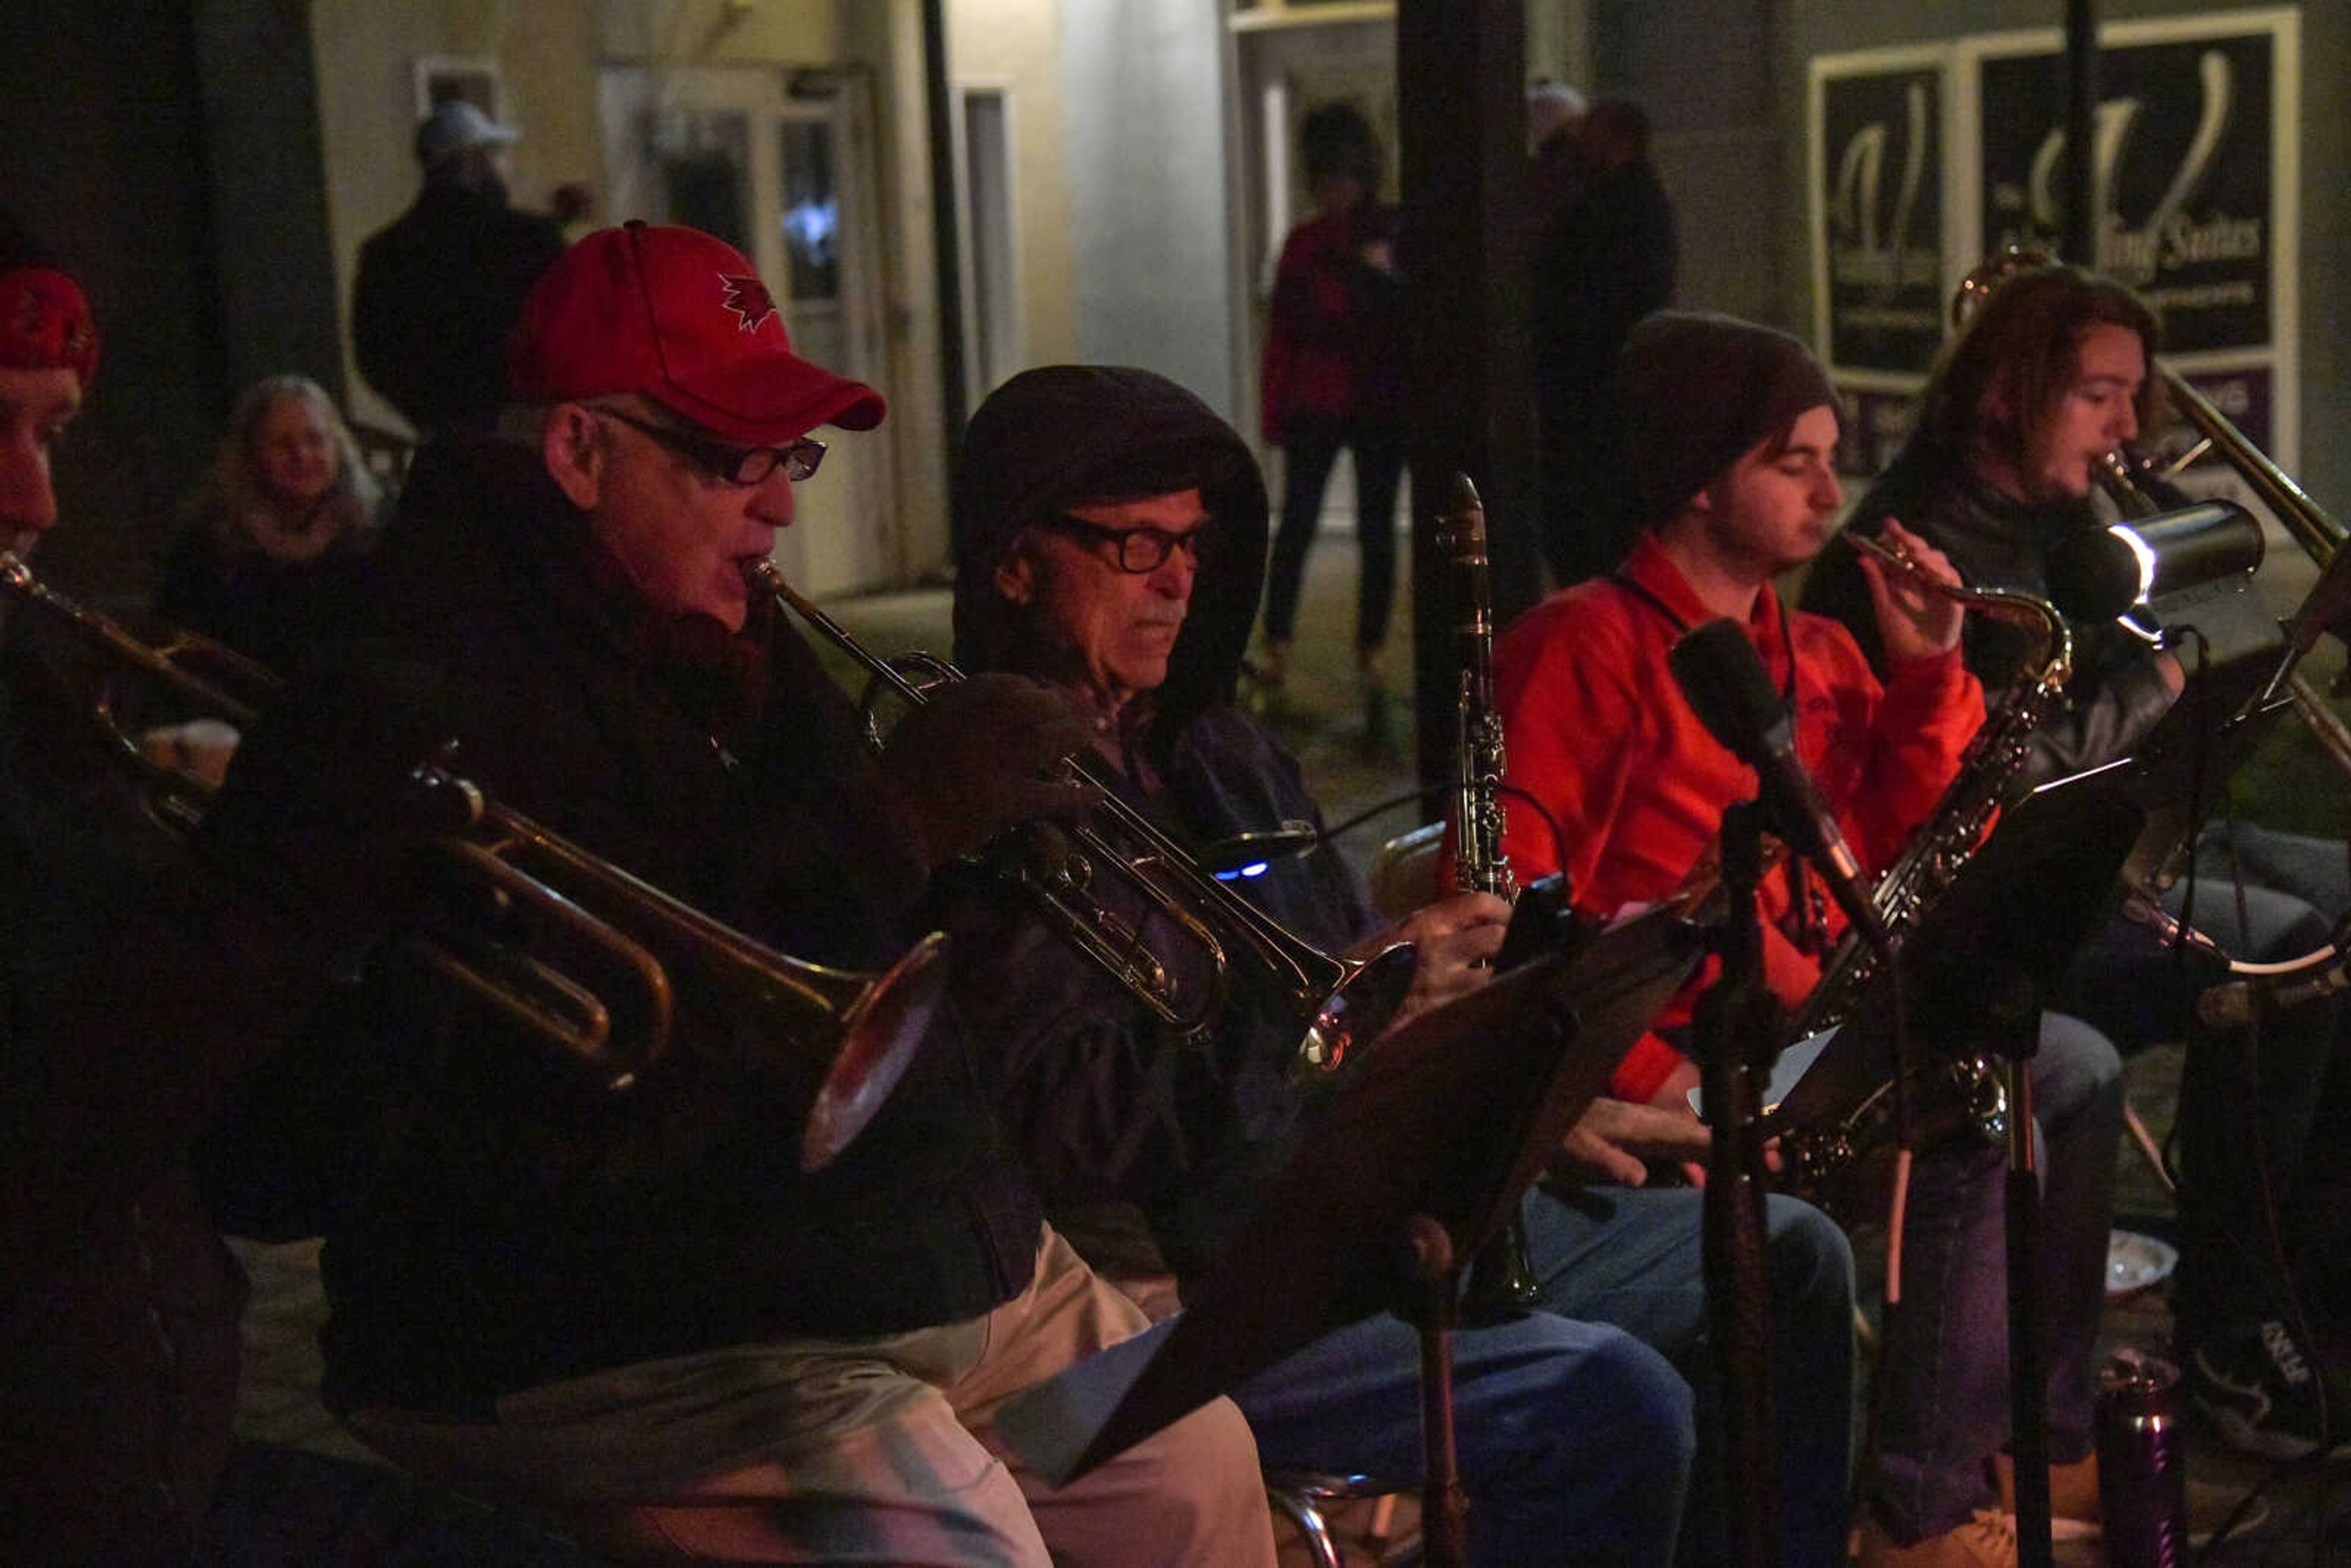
point(725, 460)
point(1191, 539)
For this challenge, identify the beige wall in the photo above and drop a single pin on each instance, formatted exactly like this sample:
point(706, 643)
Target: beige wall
point(547, 52)
point(1016, 45)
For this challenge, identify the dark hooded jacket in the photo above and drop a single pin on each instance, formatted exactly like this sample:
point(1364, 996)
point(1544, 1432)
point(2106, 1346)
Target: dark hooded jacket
point(527, 1225)
point(1113, 1111)
point(119, 1302)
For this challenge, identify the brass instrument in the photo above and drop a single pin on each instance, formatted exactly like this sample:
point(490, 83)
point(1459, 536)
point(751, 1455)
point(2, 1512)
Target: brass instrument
point(1345, 1003)
point(862, 1030)
point(2124, 476)
point(211, 677)
point(1822, 1157)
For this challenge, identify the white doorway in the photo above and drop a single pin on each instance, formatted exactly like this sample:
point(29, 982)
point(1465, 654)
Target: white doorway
point(781, 164)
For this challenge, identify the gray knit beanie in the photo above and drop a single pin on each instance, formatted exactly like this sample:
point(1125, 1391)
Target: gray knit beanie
point(1697, 391)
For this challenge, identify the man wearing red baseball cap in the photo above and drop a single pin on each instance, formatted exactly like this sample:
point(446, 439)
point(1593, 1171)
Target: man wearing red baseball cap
point(635, 1310)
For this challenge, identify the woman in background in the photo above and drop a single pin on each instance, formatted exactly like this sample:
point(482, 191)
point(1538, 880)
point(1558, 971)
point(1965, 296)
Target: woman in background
point(278, 533)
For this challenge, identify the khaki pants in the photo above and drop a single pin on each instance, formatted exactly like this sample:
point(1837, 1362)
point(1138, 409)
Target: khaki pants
point(874, 1451)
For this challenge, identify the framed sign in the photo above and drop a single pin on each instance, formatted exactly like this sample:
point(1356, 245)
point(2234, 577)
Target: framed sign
point(1946, 152)
point(1877, 196)
point(2187, 174)
point(475, 78)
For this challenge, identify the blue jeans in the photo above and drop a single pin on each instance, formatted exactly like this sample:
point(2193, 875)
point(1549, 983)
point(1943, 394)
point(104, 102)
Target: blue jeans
point(1631, 1257)
point(1577, 1431)
point(1306, 460)
point(1943, 1373)
point(2248, 1098)
point(1573, 1439)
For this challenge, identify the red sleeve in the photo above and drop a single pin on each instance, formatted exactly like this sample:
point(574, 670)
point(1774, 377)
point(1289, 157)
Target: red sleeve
point(1570, 718)
point(1281, 327)
point(1930, 710)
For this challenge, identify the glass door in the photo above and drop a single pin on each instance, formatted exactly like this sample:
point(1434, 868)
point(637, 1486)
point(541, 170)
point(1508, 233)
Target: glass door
point(780, 165)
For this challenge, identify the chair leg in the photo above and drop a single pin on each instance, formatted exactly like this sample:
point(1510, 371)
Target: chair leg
point(1299, 1509)
point(2150, 1150)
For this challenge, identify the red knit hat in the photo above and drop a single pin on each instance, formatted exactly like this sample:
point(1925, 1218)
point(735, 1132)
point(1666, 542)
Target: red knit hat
point(45, 323)
point(682, 318)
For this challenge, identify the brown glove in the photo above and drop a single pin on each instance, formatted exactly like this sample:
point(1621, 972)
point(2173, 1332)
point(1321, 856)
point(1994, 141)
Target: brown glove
point(981, 756)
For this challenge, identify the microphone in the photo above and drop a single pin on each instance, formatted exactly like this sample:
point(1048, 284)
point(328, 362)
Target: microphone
point(1730, 692)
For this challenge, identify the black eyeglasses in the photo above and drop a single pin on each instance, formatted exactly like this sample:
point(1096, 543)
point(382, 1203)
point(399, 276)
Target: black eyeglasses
point(724, 459)
point(1138, 550)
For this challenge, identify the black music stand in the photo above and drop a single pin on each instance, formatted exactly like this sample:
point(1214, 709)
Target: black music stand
point(1425, 1149)
point(1978, 964)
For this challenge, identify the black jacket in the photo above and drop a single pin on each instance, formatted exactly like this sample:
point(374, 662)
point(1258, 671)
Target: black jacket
point(529, 1225)
point(1110, 1108)
point(437, 298)
point(1603, 263)
point(2116, 693)
point(119, 1304)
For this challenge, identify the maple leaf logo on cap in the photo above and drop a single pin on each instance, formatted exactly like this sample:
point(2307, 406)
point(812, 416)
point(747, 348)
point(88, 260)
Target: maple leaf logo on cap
point(749, 299)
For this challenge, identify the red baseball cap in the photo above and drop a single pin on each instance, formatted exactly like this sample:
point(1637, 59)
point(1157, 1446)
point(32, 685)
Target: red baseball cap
point(682, 318)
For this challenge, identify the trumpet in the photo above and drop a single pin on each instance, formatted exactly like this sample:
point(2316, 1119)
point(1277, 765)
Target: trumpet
point(861, 1030)
point(211, 677)
point(1343, 1002)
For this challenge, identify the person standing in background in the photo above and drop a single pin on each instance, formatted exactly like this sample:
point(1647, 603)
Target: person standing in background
point(1607, 260)
point(439, 289)
point(1555, 114)
point(1333, 377)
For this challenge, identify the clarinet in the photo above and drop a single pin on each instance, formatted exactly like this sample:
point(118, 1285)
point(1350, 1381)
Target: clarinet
point(1501, 1282)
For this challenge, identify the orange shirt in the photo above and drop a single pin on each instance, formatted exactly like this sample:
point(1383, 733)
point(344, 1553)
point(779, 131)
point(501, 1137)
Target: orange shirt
point(1598, 732)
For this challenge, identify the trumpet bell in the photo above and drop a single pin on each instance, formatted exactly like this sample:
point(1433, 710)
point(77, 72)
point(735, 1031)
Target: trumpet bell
point(1363, 1006)
point(880, 1035)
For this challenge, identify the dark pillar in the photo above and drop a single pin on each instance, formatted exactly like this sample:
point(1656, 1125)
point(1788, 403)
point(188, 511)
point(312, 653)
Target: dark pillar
point(946, 258)
point(273, 262)
point(1461, 113)
point(2080, 243)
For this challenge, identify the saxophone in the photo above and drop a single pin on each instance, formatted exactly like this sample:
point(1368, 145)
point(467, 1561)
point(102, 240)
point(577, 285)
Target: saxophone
point(1826, 1154)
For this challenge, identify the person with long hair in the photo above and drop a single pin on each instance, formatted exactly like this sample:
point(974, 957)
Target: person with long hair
point(2055, 371)
point(277, 529)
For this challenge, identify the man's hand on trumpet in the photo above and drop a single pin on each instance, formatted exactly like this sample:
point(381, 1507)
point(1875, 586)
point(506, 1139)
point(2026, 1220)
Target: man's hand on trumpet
point(978, 757)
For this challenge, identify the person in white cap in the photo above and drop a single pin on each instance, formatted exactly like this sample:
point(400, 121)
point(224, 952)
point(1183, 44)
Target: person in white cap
point(439, 288)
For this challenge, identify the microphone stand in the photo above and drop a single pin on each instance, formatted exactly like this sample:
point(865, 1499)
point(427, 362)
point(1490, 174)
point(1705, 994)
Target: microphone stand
point(1736, 1036)
point(2014, 1012)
